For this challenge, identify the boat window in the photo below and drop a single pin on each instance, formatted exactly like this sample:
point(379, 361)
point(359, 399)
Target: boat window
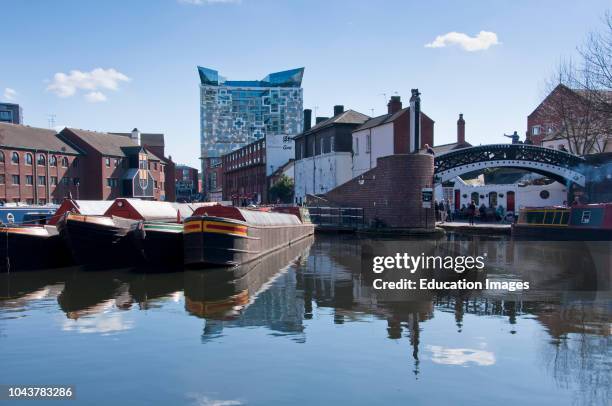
point(586, 217)
point(535, 217)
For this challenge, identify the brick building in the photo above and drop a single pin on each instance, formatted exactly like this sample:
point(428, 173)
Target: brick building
point(244, 174)
point(155, 143)
point(186, 183)
point(116, 166)
point(36, 167)
point(387, 135)
point(572, 112)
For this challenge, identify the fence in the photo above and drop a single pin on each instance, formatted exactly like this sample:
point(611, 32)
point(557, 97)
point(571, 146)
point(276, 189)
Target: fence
point(341, 217)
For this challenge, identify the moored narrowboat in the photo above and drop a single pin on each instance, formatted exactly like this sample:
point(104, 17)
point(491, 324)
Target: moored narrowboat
point(228, 236)
point(583, 222)
point(163, 228)
point(32, 247)
point(100, 241)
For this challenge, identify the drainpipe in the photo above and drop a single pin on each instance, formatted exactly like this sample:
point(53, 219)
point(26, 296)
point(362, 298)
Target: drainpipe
point(35, 176)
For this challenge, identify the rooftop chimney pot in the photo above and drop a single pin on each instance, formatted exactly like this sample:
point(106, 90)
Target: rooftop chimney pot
point(394, 105)
point(338, 109)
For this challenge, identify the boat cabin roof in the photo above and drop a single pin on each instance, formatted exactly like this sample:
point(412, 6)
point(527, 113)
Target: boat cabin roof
point(250, 216)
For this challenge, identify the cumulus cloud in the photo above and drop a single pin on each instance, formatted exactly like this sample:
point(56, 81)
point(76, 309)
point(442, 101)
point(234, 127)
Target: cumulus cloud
point(207, 2)
point(484, 40)
point(9, 94)
point(94, 97)
point(66, 85)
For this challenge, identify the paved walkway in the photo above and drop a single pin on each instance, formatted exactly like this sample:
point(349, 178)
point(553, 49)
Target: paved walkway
point(498, 228)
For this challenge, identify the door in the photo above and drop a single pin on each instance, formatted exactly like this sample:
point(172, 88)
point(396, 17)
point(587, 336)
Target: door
point(510, 200)
point(457, 199)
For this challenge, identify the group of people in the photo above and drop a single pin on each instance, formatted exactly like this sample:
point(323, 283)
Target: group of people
point(443, 208)
point(444, 211)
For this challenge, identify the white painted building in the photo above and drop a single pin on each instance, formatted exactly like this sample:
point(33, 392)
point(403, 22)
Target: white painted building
point(512, 197)
point(323, 153)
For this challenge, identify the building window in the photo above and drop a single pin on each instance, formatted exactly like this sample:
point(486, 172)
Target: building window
point(2, 179)
point(332, 143)
point(54, 180)
point(29, 180)
point(64, 162)
point(41, 160)
point(112, 182)
point(66, 180)
point(155, 165)
point(42, 181)
point(116, 163)
point(53, 160)
point(535, 130)
point(15, 179)
point(107, 162)
point(15, 158)
point(42, 202)
point(28, 201)
point(57, 201)
point(75, 163)
point(1, 157)
point(29, 159)
point(356, 146)
point(155, 184)
point(368, 143)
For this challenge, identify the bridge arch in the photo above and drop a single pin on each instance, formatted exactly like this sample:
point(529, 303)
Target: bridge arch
point(561, 166)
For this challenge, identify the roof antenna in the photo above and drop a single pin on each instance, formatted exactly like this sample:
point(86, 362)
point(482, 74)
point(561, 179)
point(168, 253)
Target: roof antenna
point(51, 121)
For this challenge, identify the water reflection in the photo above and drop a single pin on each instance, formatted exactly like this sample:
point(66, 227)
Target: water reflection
point(296, 292)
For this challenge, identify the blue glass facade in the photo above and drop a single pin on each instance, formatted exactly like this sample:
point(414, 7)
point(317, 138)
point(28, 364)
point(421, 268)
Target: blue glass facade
point(236, 113)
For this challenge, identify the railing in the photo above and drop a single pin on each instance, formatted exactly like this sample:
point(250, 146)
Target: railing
point(516, 152)
point(340, 217)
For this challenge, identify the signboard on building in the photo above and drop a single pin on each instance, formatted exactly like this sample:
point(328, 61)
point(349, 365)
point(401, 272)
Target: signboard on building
point(426, 197)
point(279, 150)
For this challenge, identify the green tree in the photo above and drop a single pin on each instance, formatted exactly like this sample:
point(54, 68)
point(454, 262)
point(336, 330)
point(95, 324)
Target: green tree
point(282, 190)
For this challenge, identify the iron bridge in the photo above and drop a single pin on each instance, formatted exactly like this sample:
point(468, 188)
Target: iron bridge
point(561, 166)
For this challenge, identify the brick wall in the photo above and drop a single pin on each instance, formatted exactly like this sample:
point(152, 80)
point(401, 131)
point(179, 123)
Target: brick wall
point(54, 169)
point(390, 192)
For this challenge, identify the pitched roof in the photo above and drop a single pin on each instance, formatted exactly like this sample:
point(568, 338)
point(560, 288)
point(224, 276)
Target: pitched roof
point(108, 143)
point(347, 117)
point(23, 136)
point(385, 119)
point(152, 139)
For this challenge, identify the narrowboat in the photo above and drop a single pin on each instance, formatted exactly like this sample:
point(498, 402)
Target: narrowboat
point(11, 213)
point(229, 236)
point(101, 241)
point(32, 247)
point(163, 228)
point(583, 222)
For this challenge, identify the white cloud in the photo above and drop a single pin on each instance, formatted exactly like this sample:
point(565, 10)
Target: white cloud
point(207, 2)
point(66, 85)
point(9, 94)
point(484, 40)
point(461, 356)
point(94, 97)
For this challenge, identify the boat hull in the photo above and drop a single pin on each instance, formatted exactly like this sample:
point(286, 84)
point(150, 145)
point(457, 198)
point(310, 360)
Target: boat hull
point(32, 248)
point(216, 241)
point(560, 233)
point(101, 242)
point(163, 245)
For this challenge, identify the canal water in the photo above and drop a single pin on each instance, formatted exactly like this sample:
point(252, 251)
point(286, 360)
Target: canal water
point(305, 326)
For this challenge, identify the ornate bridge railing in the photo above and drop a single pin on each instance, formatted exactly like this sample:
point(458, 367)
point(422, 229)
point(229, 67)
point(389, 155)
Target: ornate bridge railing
point(530, 157)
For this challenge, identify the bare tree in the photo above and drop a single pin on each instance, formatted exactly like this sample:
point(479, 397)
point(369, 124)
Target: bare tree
point(579, 106)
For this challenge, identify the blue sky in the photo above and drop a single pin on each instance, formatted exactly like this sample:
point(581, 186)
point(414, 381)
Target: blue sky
point(353, 52)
